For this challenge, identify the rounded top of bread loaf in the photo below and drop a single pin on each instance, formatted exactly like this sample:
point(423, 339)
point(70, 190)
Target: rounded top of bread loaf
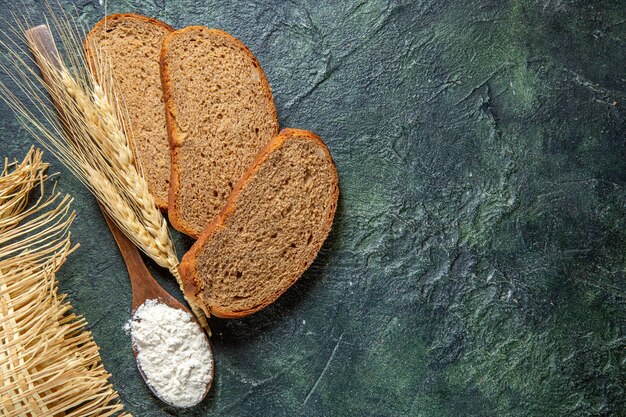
point(133, 16)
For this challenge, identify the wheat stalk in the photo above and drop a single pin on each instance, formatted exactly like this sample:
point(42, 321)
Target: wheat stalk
point(81, 120)
point(49, 364)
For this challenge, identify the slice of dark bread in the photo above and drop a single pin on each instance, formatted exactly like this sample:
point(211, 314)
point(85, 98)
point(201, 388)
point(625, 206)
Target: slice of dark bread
point(132, 44)
point(220, 114)
point(270, 230)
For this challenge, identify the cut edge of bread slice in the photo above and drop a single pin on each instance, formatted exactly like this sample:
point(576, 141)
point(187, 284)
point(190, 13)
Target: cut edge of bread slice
point(161, 201)
point(176, 135)
point(188, 266)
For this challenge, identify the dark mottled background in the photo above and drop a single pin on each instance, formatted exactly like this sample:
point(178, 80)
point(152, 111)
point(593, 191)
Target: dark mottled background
point(476, 266)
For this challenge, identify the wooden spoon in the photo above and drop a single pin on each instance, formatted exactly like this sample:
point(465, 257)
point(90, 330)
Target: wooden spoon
point(144, 288)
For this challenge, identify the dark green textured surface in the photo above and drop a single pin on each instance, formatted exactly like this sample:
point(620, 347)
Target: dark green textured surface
point(476, 266)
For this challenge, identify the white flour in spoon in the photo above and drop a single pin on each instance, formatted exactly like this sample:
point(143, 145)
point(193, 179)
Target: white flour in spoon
point(173, 353)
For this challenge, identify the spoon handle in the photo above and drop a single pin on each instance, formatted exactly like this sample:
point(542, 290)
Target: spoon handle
point(144, 286)
point(129, 251)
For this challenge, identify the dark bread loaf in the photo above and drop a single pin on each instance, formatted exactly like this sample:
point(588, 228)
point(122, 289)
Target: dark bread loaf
point(132, 44)
point(220, 114)
point(270, 230)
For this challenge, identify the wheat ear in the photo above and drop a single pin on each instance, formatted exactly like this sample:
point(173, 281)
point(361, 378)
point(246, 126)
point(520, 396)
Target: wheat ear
point(82, 121)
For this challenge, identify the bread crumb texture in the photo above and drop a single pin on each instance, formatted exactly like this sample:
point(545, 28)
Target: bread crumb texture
point(222, 114)
point(278, 222)
point(133, 46)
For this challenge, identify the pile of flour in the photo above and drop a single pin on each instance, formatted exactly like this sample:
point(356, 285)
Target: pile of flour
point(173, 353)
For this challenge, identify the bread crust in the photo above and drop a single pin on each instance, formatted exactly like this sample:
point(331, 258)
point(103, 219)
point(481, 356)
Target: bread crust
point(119, 16)
point(171, 113)
point(187, 268)
point(161, 204)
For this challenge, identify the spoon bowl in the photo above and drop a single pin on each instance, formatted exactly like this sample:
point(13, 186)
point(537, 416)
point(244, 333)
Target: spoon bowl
point(156, 394)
